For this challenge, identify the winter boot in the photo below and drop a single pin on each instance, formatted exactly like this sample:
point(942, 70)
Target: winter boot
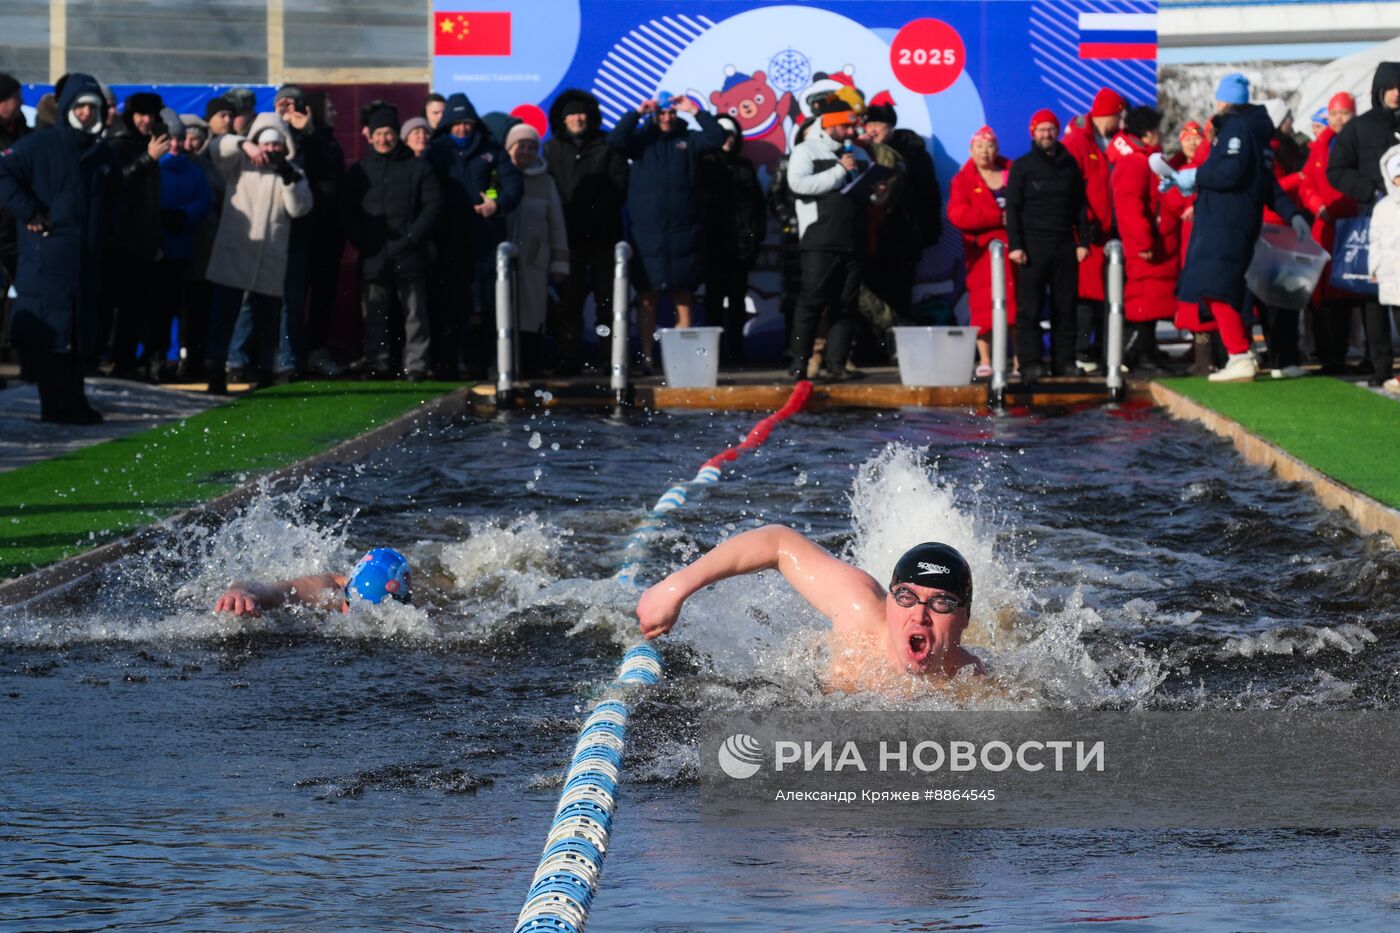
point(1241, 367)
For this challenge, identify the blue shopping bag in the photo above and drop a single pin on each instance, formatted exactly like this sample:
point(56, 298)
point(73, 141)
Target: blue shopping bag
point(1351, 257)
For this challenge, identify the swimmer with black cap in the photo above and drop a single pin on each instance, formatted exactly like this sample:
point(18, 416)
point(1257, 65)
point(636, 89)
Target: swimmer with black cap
point(383, 573)
point(913, 628)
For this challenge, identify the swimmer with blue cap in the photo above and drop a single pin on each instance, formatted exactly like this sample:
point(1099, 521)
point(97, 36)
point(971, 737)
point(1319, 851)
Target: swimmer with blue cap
point(878, 635)
point(383, 573)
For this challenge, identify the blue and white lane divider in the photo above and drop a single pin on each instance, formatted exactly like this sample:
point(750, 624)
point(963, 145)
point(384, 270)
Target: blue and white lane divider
point(566, 880)
point(672, 499)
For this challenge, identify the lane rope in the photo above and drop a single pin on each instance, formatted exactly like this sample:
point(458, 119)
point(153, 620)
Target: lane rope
point(566, 879)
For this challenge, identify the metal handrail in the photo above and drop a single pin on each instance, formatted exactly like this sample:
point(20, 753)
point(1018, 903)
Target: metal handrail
point(621, 304)
point(506, 351)
point(1000, 329)
point(1113, 378)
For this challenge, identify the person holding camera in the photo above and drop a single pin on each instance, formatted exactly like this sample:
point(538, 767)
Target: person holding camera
point(139, 139)
point(265, 193)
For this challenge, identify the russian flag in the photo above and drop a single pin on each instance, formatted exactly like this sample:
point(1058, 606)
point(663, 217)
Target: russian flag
point(1118, 35)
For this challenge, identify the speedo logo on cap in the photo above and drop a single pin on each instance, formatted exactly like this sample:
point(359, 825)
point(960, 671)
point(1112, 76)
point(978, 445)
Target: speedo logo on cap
point(925, 568)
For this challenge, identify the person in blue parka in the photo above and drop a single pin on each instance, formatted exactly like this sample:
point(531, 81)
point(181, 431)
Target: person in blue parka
point(185, 200)
point(480, 186)
point(63, 187)
point(665, 204)
point(1233, 185)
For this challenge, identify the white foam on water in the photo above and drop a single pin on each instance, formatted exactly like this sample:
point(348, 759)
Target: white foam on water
point(1304, 640)
point(511, 559)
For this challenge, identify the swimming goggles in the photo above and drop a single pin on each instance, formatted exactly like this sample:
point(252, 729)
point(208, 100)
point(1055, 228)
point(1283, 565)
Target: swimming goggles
point(938, 602)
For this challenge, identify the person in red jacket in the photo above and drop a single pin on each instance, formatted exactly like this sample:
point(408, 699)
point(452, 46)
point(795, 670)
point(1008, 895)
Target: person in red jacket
point(1152, 260)
point(977, 207)
point(1176, 213)
point(1332, 308)
point(1087, 139)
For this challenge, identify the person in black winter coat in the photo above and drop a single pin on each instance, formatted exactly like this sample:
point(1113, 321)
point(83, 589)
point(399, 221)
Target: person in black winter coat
point(480, 186)
point(1353, 168)
point(911, 220)
point(327, 237)
point(392, 202)
point(923, 199)
point(13, 127)
point(322, 161)
point(1047, 231)
point(782, 204)
point(64, 188)
point(735, 223)
point(592, 180)
point(664, 205)
point(139, 139)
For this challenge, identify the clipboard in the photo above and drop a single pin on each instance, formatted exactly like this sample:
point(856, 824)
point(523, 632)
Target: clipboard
point(863, 185)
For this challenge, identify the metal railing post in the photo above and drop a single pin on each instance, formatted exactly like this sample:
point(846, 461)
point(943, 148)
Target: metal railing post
point(505, 320)
point(621, 305)
point(1114, 351)
point(997, 392)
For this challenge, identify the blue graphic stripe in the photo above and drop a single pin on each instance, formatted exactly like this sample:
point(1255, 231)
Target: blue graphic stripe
point(1119, 36)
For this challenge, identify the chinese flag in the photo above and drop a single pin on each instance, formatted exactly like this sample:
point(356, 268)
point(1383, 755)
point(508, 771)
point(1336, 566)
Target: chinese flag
point(471, 34)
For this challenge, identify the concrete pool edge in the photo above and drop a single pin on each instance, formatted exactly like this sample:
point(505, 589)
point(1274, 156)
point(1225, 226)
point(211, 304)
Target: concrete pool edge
point(70, 570)
point(1369, 514)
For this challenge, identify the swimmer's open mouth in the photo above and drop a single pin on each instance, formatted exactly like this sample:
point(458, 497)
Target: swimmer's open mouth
point(919, 647)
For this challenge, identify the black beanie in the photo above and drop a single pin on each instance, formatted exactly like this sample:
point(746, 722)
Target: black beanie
point(937, 566)
point(881, 113)
point(9, 87)
point(383, 116)
point(218, 105)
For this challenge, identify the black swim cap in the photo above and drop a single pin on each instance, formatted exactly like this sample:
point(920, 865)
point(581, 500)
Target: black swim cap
point(937, 566)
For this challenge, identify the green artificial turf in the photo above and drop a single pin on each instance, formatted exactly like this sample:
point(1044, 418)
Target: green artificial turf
point(1343, 430)
point(58, 507)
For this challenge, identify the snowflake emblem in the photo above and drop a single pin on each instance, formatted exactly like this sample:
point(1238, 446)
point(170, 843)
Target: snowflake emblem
point(789, 70)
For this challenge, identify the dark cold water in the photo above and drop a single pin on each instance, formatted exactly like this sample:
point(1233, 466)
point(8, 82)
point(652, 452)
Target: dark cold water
point(397, 768)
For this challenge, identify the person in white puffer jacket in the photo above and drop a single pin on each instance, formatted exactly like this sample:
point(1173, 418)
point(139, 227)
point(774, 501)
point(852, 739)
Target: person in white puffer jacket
point(265, 191)
point(1384, 252)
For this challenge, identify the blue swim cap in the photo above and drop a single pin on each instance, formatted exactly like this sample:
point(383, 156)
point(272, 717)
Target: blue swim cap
point(380, 573)
point(665, 100)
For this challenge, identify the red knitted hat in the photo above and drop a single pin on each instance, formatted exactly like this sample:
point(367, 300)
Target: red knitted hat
point(1108, 103)
point(1043, 115)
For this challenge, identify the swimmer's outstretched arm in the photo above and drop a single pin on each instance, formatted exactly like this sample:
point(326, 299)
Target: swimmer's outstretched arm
point(252, 598)
point(833, 587)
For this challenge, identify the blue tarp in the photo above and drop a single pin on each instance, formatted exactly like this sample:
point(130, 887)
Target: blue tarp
point(182, 98)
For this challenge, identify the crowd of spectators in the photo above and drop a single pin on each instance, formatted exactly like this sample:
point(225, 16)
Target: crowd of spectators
point(115, 223)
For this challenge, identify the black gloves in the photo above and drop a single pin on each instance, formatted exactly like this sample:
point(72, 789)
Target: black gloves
point(285, 170)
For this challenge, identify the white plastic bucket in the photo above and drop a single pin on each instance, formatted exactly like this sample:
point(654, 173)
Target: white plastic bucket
point(690, 355)
point(935, 356)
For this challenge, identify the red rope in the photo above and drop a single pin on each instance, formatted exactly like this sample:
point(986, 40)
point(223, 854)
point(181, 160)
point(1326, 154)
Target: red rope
point(795, 403)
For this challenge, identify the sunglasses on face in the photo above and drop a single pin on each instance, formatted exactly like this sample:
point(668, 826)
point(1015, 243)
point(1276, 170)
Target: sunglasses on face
point(938, 602)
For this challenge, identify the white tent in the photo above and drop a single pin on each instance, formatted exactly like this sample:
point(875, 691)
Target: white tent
point(1352, 73)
